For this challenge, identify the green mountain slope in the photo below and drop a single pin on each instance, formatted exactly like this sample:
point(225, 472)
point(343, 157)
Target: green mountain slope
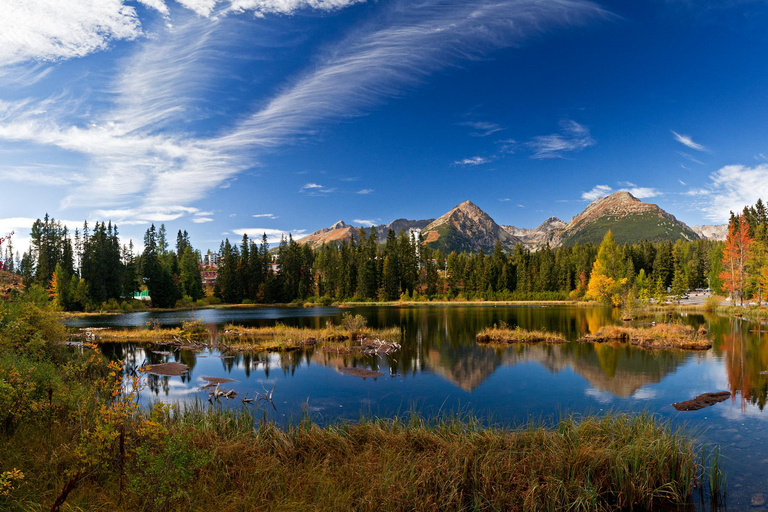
point(631, 229)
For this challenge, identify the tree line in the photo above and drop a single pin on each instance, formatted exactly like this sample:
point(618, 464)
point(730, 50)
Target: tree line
point(404, 267)
point(92, 269)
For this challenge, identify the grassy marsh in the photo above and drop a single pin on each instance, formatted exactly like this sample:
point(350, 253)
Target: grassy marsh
point(503, 334)
point(408, 463)
point(655, 337)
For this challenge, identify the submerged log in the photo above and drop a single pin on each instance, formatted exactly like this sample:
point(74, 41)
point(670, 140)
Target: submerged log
point(171, 369)
point(702, 401)
point(358, 372)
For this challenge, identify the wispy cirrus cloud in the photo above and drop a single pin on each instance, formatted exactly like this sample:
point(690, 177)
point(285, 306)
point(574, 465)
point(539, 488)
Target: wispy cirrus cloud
point(689, 157)
point(273, 235)
point(482, 128)
point(367, 222)
point(315, 189)
point(264, 216)
point(572, 137)
point(52, 30)
point(365, 191)
point(475, 160)
point(382, 59)
point(687, 141)
point(140, 154)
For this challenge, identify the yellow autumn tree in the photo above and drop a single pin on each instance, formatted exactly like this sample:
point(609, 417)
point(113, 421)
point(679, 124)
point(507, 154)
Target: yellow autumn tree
point(58, 288)
point(606, 282)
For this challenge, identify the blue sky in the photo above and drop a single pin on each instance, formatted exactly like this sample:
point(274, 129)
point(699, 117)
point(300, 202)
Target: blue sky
point(285, 116)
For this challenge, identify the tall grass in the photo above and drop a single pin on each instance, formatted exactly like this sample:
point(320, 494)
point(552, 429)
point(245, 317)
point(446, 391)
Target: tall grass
point(283, 337)
point(503, 334)
point(670, 335)
point(242, 461)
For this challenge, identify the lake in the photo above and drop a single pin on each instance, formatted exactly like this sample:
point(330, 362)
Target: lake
point(440, 369)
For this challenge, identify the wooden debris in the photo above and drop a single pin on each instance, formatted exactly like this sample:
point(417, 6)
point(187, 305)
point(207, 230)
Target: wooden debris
point(171, 369)
point(217, 380)
point(375, 347)
point(702, 401)
point(358, 372)
point(218, 393)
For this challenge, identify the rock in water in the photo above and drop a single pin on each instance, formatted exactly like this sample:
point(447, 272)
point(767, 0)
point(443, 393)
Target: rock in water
point(758, 500)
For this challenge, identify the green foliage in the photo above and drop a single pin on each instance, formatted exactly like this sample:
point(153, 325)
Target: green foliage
point(194, 329)
point(162, 475)
point(29, 325)
point(354, 324)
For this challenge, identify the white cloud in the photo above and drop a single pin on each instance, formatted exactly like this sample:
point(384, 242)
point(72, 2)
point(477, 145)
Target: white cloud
point(381, 59)
point(41, 174)
point(202, 220)
point(687, 141)
point(365, 222)
point(597, 192)
point(731, 189)
point(643, 192)
point(505, 200)
point(273, 235)
point(49, 30)
point(365, 191)
point(681, 182)
point(317, 190)
point(139, 159)
point(262, 7)
point(572, 137)
point(264, 216)
point(603, 190)
point(158, 5)
point(482, 128)
point(690, 157)
point(475, 160)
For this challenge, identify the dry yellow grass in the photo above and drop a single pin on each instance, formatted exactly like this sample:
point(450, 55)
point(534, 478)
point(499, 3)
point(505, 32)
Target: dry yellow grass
point(655, 337)
point(285, 338)
point(503, 334)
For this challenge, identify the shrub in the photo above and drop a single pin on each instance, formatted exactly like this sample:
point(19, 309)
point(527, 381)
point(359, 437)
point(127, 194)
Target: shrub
point(354, 324)
point(29, 325)
point(164, 474)
point(194, 329)
point(711, 304)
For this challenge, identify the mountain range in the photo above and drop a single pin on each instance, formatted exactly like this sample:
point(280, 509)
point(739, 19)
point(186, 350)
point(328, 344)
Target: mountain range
point(466, 227)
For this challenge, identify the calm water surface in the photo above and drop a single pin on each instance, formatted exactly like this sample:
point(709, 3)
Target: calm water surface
point(440, 368)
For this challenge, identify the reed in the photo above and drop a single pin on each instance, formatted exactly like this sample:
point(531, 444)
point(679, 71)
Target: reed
point(281, 337)
point(658, 336)
point(457, 463)
point(503, 334)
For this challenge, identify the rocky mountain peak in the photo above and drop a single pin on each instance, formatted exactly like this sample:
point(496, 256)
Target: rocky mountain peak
point(339, 225)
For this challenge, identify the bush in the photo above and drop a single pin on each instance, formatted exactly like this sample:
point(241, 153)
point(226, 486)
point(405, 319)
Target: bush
point(354, 324)
point(29, 325)
point(163, 475)
point(194, 329)
point(711, 304)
